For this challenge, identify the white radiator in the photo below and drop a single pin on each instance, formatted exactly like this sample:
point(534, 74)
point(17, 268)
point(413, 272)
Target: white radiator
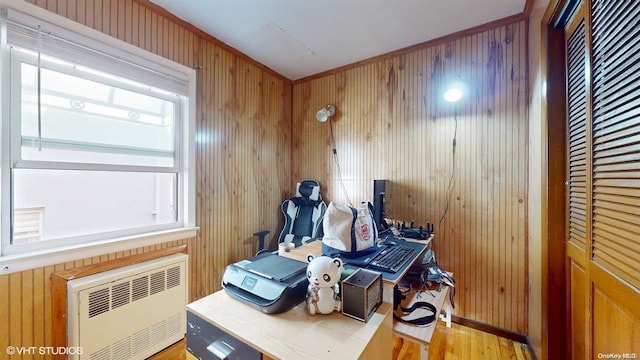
point(128, 313)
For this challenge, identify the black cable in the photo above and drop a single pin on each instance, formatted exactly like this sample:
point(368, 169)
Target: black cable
point(453, 170)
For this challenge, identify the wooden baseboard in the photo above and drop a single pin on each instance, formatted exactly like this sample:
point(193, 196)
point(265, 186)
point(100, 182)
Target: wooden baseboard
point(491, 329)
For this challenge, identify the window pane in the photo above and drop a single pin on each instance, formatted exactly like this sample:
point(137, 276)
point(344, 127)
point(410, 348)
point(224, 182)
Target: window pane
point(84, 121)
point(75, 203)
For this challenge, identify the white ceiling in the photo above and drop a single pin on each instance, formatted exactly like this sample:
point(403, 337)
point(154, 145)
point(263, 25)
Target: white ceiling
point(298, 38)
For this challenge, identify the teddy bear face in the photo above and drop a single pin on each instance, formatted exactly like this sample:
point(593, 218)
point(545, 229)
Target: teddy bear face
point(323, 271)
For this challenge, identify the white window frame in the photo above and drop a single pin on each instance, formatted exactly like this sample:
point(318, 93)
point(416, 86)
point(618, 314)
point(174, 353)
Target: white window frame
point(15, 258)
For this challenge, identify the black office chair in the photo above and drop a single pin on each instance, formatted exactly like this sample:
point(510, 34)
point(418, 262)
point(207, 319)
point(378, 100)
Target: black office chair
point(303, 216)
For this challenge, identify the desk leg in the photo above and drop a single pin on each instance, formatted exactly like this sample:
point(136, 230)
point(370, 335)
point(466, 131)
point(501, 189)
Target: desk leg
point(447, 313)
point(424, 352)
point(447, 318)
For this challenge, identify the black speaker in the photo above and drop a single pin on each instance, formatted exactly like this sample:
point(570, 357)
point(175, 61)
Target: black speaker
point(361, 294)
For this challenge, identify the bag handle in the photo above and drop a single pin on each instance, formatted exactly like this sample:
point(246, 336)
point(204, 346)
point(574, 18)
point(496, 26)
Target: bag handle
point(423, 320)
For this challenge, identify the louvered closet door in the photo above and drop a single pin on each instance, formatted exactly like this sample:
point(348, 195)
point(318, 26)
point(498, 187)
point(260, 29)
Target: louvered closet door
point(616, 138)
point(603, 179)
point(615, 246)
point(578, 141)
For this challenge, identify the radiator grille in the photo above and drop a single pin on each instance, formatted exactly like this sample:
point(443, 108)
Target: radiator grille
point(140, 341)
point(157, 332)
point(120, 295)
point(173, 277)
point(140, 288)
point(98, 302)
point(121, 349)
point(128, 313)
point(157, 282)
point(102, 354)
point(174, 324)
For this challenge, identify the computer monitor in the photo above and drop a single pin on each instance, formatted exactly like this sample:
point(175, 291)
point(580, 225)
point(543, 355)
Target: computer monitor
point(379, 188)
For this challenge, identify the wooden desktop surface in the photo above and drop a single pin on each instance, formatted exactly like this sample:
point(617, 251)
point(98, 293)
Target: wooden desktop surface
point(297, 335)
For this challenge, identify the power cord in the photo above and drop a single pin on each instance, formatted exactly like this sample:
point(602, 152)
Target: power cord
point(453, 170)
point(337, 162)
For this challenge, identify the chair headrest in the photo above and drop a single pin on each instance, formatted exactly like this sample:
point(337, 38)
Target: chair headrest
point(309, 189)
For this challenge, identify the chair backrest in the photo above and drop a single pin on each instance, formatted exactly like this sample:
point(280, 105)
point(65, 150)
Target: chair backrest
point(303, 214)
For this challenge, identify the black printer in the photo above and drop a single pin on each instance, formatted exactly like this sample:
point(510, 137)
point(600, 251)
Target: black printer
point(268, 282)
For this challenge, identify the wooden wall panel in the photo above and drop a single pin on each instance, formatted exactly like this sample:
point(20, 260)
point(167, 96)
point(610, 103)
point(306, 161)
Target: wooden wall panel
point(243, 160)
point(391, 123)
point(242, 157)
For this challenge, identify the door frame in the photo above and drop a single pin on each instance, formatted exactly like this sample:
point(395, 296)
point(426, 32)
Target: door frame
point(555, 334)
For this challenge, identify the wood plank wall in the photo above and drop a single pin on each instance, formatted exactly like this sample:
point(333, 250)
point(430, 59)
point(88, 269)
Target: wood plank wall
point(391, 124)
point(242, 157)
point(243, 161)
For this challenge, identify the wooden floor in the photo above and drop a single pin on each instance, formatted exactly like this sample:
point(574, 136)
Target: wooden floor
point(461, 342)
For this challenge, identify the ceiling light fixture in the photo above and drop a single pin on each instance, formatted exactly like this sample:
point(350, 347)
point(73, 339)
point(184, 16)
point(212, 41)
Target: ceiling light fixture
point(325, 113)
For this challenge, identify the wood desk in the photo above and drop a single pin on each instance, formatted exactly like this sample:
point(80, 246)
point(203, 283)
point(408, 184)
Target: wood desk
point(300, 253)
point(297, 335)
point(419, 334)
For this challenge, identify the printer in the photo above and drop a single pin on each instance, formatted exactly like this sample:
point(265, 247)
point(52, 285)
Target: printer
point(267, 282)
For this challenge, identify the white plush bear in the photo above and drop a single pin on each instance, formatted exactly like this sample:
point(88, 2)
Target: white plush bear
point(323, 274)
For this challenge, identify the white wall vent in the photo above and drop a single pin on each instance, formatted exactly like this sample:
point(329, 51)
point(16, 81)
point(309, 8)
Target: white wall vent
point(128, 313)
point(28, 225)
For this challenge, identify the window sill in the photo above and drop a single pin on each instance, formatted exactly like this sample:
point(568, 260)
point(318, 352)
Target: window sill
point(37, 259)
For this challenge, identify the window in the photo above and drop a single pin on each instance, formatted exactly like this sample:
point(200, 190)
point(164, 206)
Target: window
point(82, 120)
point(95, 137)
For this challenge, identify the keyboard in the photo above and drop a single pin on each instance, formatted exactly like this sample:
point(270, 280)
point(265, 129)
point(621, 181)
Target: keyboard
point(392, 258)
